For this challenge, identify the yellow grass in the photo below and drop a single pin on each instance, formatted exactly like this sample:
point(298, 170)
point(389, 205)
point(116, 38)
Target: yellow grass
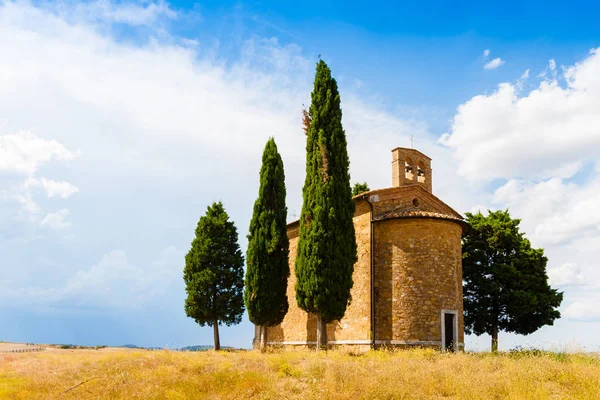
point(414, 374)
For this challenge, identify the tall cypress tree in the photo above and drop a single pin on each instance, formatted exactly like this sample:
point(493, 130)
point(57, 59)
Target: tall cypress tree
point(326, 244)
point(214, 273)
point(267, 268)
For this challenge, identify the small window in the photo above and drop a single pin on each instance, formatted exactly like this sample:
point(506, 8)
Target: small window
point(421, 173)
point(415, 202)
point(408, 169)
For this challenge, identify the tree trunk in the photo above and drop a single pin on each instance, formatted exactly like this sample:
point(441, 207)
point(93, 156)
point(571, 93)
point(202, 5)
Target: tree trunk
point(263, 338)
point(321, 333)
point(495, 338)
point(216, 334)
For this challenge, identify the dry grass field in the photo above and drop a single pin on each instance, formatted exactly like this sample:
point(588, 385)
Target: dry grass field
point(414, 374)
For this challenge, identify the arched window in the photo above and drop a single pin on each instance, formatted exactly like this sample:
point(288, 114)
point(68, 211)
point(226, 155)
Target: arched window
point(421, 176)
point(408, 169)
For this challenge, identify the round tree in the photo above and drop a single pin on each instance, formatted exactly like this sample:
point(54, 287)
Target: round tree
point(214, 273)
point(505, 282)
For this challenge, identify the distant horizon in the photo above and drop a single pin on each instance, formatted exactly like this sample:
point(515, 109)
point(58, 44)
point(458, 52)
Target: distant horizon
point(128, 345)
point(569, 347)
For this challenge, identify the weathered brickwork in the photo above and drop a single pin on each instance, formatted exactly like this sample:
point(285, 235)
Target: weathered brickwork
point(417, 265)
point(356, 324)
point(418, 273)
point(404, 198)
point(298, 326)
point(410, 166)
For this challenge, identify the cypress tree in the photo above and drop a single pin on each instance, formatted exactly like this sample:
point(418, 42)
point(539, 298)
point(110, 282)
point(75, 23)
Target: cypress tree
point(267, 268)
point(214, 273)
point(359, 188)
point(326, 244)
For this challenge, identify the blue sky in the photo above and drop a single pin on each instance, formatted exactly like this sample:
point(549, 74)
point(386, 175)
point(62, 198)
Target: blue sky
point(120, 122)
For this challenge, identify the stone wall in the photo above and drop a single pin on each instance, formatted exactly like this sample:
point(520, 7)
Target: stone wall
point(418, 272)
point(299, 327)
point(415, 160)
point(356, 324)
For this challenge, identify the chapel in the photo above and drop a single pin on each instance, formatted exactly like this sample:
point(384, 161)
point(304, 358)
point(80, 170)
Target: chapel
point(408, 278)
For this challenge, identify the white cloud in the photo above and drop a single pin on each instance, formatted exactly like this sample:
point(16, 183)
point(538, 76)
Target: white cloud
point(493, 64)
point(161, 90)
point(549, 73)
point(23, 197)
point(60, 189)
point(113, 283)
point(566, 274)
point(583, 311)
point(56, 220)
point(522, 79)
point(143, 13)
point(548, 130)
point(554, 212)
point(24, 152)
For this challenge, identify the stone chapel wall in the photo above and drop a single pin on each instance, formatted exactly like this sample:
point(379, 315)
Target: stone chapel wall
point(418, 272)
point(299, 327)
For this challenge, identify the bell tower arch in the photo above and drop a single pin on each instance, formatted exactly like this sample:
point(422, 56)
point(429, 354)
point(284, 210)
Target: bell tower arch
point(410, 167)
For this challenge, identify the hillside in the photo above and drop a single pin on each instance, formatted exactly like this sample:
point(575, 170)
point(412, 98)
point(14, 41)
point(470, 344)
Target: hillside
point(415, 374)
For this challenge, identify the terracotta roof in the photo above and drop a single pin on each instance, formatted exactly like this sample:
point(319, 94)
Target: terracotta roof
point(296, 221)
point(413, 150)
point(402, 188)
point(409, 213)
point(421, 214)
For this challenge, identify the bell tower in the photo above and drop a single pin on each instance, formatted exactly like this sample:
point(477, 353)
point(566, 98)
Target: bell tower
point(410, 167)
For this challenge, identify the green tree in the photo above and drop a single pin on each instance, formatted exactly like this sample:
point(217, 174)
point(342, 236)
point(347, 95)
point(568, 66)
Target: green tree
point(267, 268)
point(214, 273)
point(505, 282)
point(359, 188)
point(326, 244)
